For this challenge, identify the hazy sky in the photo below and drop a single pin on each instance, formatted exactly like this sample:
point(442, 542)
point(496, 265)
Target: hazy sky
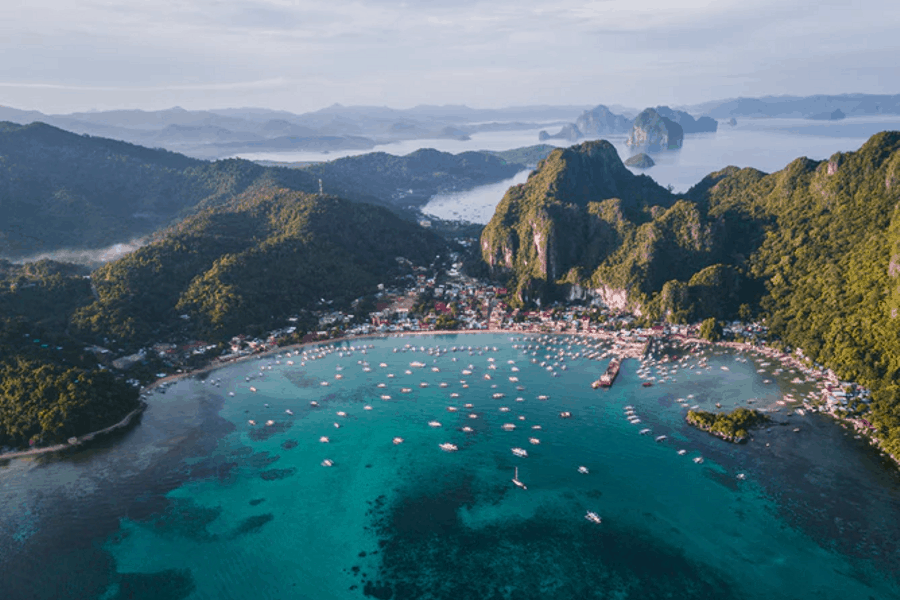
point(300, 55)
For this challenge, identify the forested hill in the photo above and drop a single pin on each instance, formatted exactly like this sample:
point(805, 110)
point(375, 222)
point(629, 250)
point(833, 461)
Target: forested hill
point(248, 264)
point(59, 190)
point(411, 180)
point(50, 385)
point(813, 248)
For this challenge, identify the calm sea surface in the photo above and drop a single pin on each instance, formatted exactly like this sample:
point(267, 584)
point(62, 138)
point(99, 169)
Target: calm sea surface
point(765, 144)
point(196, 502)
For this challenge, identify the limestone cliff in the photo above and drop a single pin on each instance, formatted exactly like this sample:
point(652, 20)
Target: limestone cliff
point(569, 133)
point(601, 121)
point(655, 132)
point(573, 214)
point(687, 122)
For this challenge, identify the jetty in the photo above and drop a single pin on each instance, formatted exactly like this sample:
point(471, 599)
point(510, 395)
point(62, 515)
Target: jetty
point(606, 380)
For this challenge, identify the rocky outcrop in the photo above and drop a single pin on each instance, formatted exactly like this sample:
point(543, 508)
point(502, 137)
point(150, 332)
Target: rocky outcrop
point(687, 122)
point(552, 232)
point(654, 132)
point(602, 121)
point(569, 132)
point(640, 161)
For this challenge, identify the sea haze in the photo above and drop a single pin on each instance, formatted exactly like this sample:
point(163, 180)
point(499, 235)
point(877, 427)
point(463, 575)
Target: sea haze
point(196, 502)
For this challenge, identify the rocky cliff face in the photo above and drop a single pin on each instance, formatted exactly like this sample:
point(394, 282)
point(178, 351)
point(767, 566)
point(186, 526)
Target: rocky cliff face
point(601, 121)
point(687, 122)
point(572, 214)
point(654, 132)
point(569, 132)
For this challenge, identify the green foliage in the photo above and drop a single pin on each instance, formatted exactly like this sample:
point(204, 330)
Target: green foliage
point(50, 388)
point(254, 261)
point(731, 426)
point(711, 329)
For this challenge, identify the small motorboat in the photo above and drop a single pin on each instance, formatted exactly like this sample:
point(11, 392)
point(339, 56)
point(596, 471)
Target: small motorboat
point(434, 424)
point(593, 517)
point(520, 452)
point(448, 447)
point(398, 440)
point(327, 462)
point(583, 470)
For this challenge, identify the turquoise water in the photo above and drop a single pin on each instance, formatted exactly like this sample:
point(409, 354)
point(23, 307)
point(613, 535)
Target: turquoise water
point(198, 503)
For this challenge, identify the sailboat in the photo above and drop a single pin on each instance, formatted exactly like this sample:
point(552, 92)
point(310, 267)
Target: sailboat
point(516, 480)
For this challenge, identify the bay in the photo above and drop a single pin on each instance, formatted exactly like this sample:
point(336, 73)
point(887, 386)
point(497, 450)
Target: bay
point(196, 502)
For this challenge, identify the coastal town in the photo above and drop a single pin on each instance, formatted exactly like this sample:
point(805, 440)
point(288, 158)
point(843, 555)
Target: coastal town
point(441, 298)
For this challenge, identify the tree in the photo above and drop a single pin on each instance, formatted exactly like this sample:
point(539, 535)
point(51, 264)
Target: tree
point(711, 329)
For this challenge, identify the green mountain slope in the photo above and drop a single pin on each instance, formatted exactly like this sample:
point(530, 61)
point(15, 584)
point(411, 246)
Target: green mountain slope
point(250, 263)
point(50, 387)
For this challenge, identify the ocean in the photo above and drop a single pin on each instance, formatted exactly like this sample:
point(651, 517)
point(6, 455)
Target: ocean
point(196, 502)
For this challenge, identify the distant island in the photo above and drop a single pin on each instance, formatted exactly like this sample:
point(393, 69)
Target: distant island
point(732, 427)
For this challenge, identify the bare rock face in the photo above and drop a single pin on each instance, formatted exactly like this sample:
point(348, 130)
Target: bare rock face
point(601, 121)
point(569, 132)
point(653, 132)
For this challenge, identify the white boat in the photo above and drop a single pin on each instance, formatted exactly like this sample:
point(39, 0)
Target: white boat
point(398, 440)
point(467, 429)
point(452, 409)
point(583, 470)
point(660, 438)
point(593, 517)
point(327, 462)
point(270, 422)
point(644, 431)
point(385, 397)
point(252, 422)
point(565, 415)
point(323, 439)
point(504, 409)
point(252, 389)
point(341, 413)
point(698, 460)
point(516, 481)
point(313, 403)
point(507, 427)
point(289, 411)
point(433, 424)
point(741, 476)
point(405, 390)
point(534, 441)
point(448, 447)
point(535, 426)
point(520, 452)
point(682, 452)
point(454, 395)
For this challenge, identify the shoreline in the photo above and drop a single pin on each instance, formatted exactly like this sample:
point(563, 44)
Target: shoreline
point(630, 351)
point(79, 440)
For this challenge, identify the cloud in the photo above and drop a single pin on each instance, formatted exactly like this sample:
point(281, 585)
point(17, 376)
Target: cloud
point(304, 54)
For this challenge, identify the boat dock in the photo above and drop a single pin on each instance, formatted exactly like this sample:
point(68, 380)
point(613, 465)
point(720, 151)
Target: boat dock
point(606, 380)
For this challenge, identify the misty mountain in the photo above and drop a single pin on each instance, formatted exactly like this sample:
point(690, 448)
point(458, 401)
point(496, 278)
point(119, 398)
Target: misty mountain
point(851, 105)
point(60, 190)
